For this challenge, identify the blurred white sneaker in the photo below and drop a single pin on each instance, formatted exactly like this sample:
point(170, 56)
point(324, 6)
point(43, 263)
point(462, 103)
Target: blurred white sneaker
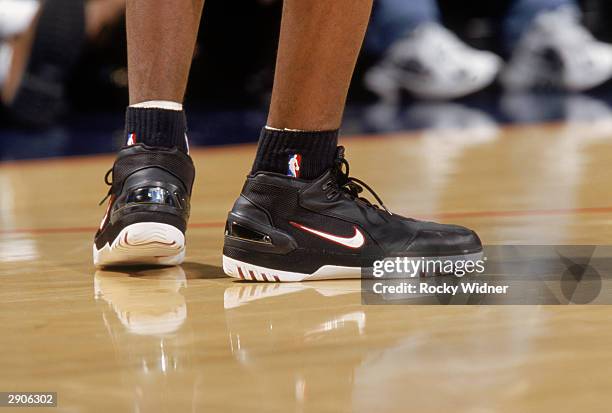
point(432, 62)
point(16, 16)
point(571, 108)
point(558, 52)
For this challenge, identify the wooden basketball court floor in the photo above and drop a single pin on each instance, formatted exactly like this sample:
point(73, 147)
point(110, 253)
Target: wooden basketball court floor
point(190, 339)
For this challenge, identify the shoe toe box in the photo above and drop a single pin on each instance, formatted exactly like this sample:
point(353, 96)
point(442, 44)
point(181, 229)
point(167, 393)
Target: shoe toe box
point(443, 240)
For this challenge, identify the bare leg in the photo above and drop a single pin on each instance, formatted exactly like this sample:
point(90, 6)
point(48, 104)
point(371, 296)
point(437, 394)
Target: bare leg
point(319, 44)
point(161, 38)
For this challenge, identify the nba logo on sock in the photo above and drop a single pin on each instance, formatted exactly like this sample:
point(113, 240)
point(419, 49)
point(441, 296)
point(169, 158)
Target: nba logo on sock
point(294, 165)
point(131, 139)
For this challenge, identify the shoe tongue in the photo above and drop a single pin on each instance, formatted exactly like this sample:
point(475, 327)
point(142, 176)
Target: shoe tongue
point(326, 176)
point(558, 20)
point(434, 32)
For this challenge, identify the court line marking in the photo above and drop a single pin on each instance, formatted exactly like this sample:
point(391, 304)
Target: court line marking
point(441, 215)
point(524, 212)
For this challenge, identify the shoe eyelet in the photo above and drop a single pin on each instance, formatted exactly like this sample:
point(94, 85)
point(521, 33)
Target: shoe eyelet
point(331, 194)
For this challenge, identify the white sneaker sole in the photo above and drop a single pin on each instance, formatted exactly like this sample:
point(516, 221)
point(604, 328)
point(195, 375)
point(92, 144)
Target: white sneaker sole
point(143, 243)
point(250, 272)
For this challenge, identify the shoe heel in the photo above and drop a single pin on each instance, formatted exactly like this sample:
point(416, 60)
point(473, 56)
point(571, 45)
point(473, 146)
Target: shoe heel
point(245, 271)
point(247, 234)
point(143, 243)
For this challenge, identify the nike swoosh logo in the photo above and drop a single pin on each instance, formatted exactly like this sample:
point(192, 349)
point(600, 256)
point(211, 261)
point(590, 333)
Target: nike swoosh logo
point(356, 241)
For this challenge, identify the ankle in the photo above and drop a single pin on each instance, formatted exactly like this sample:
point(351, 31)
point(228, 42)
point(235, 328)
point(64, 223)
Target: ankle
point(296, 153)
point(157, 123)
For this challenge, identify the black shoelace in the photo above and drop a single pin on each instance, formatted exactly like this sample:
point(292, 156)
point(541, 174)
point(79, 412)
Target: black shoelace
point(109, 183)
point(351, 185)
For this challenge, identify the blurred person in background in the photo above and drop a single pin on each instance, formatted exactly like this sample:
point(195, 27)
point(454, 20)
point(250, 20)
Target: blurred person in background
point(546, 44)
point(543, 39)
point(40, 42)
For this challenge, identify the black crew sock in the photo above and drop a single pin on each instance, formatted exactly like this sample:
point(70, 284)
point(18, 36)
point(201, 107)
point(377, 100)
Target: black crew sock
point(156, 127)
point(300, 154)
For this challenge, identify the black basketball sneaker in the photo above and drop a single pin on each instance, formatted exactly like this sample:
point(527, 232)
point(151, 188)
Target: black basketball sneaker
point(288, 229)
point(148, 209)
